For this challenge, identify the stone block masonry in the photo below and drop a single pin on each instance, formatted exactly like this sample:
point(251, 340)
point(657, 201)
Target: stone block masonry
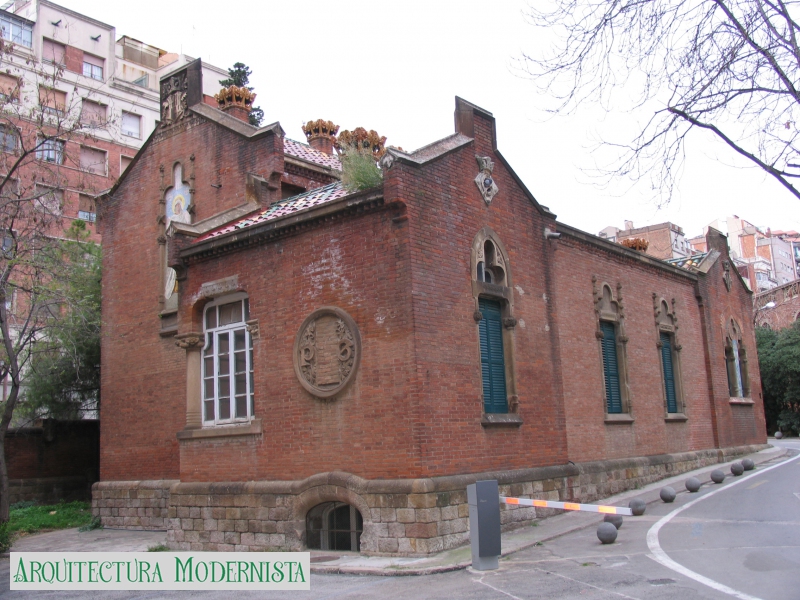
point(411, 517)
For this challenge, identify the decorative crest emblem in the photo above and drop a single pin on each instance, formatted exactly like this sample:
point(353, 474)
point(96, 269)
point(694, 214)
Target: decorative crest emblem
point(484, 180)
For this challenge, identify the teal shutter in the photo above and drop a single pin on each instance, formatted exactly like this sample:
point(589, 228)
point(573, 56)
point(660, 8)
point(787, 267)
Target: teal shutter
point(669, 372)
point(611, 367)
point(493, 367)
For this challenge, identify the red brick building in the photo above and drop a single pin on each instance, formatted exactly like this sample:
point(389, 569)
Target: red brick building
point(289, 364)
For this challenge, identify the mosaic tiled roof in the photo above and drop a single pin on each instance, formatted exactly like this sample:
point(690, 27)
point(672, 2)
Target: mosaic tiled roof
point(285, 207)
point(308, 153)
point(689, 262)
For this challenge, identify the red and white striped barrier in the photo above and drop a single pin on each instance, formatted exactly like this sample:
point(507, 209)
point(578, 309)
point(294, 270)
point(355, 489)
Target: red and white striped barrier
point(598, 508)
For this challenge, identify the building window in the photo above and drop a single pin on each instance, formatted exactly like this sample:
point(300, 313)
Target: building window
point(93, 160)
point(86, 208)
point(9, 88)
point(8, 243)
point(611, 336)
point(93, 66)
point(49, 200)
point(493, 368)
point(52, 102)
point(494, 313)
point(53, 52)
point(124, 163)
point(93, 113)
point(131, 125)
point(736, 362)
point(8, 138)
point(227, 363)
point(669, 350)
point(16, 30)
point(51, 151)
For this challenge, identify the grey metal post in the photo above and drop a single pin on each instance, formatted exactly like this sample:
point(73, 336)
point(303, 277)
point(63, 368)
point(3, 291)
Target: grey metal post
point(483, 498)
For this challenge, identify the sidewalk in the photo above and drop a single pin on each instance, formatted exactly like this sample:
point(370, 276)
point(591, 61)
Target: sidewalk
point(111, 540)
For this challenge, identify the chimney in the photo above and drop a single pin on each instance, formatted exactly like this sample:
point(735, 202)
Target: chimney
point(628, 224)
point(321, 135)
point(236, 101)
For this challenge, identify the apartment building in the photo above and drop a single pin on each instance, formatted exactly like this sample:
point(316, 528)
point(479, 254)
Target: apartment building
point(74, 68)
point(664, 240)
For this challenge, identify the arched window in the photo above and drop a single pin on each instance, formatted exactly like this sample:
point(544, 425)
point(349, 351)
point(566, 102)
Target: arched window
point(494, 307)
point(669, 353)
point(227, 361)
point(736, 362)
point(612, 340)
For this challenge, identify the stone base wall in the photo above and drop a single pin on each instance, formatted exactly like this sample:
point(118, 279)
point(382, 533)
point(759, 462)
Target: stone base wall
point(47, 490)
point(132, 504)
point(413, 517)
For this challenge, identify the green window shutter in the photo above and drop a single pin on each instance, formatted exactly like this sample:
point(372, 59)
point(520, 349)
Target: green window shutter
point(493, 368)
point(669, 372)
point(611, 367)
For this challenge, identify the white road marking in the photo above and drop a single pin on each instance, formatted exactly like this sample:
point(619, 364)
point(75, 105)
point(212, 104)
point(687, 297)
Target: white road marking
point(660, 556)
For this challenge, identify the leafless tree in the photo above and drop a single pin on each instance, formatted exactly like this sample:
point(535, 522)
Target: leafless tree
point(730, 68)
point(39, 132)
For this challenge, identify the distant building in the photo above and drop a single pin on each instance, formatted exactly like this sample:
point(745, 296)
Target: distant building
point(110, 84)
point(765, 260)
point(664, 241)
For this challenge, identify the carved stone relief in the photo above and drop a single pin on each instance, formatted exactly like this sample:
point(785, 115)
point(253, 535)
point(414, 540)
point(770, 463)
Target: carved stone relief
point(173, 98)
point(327, 352)
point(484, 180)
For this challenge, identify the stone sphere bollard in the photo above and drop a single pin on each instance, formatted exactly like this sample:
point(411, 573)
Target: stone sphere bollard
point(778, 435)
point(717, 475)
point(668, 494)
point(748, 465)
point(607, 533)
point(637, 506)
point(693, 484)
point(737, 469)
point(615, 520)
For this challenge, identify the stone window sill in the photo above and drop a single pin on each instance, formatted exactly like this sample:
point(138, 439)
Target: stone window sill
point(676, 418)
point(744, 401)
point(251, 428)
point(619, 418)
point(501, 420)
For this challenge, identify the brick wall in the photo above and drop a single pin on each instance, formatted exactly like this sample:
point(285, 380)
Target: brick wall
point(57, 461)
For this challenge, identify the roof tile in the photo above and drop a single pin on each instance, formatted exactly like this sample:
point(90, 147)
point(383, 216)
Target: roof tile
point(308, 153)
point(315, 197)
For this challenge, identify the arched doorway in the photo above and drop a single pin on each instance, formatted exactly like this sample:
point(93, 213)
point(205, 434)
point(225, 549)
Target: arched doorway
point(334, 526)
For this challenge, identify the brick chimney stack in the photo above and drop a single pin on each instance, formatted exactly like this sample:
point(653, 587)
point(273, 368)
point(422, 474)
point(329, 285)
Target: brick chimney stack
point(236, 101)
point(321, 135)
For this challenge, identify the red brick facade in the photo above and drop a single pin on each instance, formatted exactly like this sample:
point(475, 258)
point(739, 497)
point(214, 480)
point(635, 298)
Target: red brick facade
point(397, 260)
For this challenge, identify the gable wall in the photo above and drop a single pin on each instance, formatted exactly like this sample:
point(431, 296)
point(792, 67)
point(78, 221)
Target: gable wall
point(144, 374)
point(445, 212)
point(736, 423)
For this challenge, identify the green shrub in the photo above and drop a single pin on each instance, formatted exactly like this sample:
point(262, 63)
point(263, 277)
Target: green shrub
point(359, 170)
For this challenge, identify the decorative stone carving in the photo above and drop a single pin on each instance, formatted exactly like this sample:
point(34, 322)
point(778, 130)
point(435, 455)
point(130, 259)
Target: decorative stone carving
point(726, 265)
point(327, 352)
point(212, 289)
point(173, 98)
point(252, 328)
point(192, 342)
point(386, 161)
point(484, 180)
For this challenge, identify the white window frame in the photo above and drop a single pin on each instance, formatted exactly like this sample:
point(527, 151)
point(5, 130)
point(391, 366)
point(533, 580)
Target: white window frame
point(51, 151)
point(138, 134)
point(212, 383)
point(91, 69)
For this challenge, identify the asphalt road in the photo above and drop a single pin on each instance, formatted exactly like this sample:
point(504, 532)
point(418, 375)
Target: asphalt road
point(742, 540)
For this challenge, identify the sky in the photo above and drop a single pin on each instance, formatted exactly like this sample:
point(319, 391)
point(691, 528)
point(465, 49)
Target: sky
point(397, 67)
